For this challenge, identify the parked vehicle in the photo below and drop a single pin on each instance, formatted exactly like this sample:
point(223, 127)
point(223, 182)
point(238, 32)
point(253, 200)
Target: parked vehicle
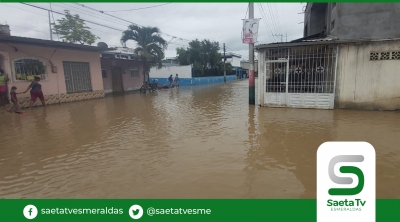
point(151, 87)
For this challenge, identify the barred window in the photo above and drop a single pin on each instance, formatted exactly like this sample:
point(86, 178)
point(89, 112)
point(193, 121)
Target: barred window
point(104, 73)
point(135, 72)
point(28, 69)
point(77, 77)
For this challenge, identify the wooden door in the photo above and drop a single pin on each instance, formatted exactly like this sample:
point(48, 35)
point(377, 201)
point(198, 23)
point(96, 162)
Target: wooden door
point(117, 83)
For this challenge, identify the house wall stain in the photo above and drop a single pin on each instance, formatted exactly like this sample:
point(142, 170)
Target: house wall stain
point(366, 84)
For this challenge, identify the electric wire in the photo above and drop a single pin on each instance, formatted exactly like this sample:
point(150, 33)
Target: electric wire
point(134, 9)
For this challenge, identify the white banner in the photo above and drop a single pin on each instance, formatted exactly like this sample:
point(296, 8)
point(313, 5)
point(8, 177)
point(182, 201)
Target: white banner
point(250, 30)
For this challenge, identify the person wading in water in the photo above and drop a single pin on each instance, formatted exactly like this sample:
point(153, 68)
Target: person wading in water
point(176, 80)
point(36, 92)
point(3, 88)
point(170, 80)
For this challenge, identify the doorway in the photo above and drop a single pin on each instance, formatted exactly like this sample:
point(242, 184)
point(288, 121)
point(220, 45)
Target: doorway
point(300, 76)
point(5, 68)
point(116, 77)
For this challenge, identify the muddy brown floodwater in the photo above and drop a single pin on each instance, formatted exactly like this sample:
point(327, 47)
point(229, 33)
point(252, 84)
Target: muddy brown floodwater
point(192, 142)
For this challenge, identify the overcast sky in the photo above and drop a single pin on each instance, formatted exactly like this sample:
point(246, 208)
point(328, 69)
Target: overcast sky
point(220, 22)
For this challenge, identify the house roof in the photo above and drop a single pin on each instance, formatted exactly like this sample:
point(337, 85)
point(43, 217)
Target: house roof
point(315, 37)
point(230, 54)
point(320, 41)
point(47, 43)
point(170, 64)
point(118, 50)
point(246, 61)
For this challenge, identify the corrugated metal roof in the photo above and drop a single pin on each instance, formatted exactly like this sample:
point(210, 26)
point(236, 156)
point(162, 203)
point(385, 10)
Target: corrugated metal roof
point(328, 38)
point(321, 41)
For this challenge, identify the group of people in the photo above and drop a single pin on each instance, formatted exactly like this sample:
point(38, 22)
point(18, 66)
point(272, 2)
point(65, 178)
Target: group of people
point(173, 81)
point(35, 90)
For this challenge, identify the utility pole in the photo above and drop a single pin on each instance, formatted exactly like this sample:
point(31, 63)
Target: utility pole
point(224, 65)
point(286, 37)
point(252, 87)
point(280, 36)
point(51, 32)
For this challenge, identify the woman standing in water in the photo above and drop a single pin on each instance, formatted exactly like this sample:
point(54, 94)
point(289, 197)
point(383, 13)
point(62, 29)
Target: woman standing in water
point(3, 88)
point(36, 92)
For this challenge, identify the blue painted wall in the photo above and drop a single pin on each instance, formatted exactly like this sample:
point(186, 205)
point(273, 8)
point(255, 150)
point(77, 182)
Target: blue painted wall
point(211, 79)
point(196, 80)
point(182, 81)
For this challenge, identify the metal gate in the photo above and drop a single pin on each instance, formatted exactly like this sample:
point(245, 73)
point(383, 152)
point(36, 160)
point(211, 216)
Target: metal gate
point(77, 77)
point(301, 77)
point(116, 76)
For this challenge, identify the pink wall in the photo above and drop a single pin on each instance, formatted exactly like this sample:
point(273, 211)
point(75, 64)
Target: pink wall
point(57, 56)
point(129, 83)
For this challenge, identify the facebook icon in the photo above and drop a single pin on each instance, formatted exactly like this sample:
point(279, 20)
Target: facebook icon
point(30, 212)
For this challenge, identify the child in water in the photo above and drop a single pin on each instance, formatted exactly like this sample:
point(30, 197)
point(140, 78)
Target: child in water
point(14, 101)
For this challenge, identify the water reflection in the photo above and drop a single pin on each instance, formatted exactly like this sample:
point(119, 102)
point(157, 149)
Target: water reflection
point(191, 142)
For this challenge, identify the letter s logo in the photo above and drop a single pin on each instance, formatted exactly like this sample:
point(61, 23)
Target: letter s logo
point(346, 180)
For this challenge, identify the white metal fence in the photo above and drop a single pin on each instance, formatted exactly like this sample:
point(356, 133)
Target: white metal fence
point(299, 76)
point(303, 69)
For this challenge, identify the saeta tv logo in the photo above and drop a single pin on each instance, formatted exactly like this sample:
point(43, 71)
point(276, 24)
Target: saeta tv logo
point(346, 182)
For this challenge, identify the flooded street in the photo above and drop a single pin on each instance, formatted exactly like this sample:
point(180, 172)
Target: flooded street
point(192, 142)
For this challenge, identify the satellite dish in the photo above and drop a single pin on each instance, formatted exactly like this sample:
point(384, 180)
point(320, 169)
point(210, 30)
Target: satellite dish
point(102, 45)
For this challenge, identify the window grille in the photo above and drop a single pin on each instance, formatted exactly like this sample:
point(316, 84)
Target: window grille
point(28, 69)
point(77, 77)
point(104, 73)
point(135, 72)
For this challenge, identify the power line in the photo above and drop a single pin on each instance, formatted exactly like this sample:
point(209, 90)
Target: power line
point(95, 23)
point(46, 17)
point(54, 21)
point(265, 22)
point(28, 28)
point(236, 52)
point(273, 11)
point(278, 16)
point(134, 9)
point(25, 10)
point(91, 16)
point(129, 21)
point(85, 12)
point(272, 23)
point(177, 44)
point(272, 16)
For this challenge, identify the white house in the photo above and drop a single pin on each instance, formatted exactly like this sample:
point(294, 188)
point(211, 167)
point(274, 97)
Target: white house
point(232, 58)
point(118, 52)
point(329, 73)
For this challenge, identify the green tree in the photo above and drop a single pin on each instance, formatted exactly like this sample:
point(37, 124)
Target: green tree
point(202, 54)
point(150, 46)
point(73, 29)
point(228, 67)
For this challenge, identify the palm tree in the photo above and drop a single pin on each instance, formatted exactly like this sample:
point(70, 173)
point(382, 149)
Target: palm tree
point(150, 46)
